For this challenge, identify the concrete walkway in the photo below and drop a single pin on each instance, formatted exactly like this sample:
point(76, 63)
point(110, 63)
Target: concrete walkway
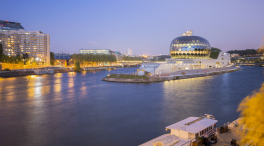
point(201, 71)
point(225, 139)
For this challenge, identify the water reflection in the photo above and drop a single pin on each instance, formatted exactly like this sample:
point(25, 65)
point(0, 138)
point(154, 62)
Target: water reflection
point(80, 109)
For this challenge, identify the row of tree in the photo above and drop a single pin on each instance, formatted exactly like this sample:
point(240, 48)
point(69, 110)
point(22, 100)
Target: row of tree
point(93, 58)
point(52, 58)
point(244, 52)
point(18, 59)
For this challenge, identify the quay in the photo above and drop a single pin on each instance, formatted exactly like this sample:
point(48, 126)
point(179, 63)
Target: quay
point(176, 75)
point(188, 132)
point(199, 131)
point(50, 70)
point(100, 68)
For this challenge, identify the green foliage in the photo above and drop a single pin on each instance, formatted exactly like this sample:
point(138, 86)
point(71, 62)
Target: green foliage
point(11, 59)
point(214, 55)
point(128, 58)
point(34, 63)
point(77, 66)
point(52, 58)
point(215, 50)
point(127, 76)
point(95, 58)
point(25, 58)
point(1, 51)
point(244, 52)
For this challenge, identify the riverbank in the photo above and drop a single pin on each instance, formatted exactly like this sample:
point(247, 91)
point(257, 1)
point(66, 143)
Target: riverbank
point(49, 70)
point(174, 76)
point(100, 68)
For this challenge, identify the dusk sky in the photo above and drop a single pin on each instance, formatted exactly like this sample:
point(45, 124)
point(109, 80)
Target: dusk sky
point(145, 26)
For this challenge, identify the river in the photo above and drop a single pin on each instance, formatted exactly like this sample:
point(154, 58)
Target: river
point(80, 109)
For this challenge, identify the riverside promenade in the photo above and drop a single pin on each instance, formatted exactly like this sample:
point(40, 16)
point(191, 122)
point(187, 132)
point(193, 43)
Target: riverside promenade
point(182, 74)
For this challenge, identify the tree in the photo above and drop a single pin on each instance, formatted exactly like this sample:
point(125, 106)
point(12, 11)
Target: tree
point(77, 66)
point(25, 57)
point(1, 51)
point(52, 58)
point(215, 50)
point(252, 113)
point(93, 58)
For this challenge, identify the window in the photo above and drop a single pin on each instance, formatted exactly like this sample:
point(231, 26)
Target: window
point(198, 62)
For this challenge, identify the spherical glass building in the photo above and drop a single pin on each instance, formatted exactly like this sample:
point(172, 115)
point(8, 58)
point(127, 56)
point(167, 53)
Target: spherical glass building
point(190, 47)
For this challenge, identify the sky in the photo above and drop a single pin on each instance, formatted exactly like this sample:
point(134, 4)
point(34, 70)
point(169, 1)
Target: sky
point(145, 26)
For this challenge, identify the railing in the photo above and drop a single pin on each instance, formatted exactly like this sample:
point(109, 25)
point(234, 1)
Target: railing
point(188, 142)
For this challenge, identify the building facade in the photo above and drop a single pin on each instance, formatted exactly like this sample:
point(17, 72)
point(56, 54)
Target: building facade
point(129, 52)
point(62, 59)
point(16, 41)
point(95, 51)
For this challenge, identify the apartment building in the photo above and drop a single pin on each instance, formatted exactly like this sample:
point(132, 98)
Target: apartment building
point(16, 41)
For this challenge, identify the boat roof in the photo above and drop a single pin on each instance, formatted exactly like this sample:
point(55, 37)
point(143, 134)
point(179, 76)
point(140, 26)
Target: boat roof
point(192, 124)
point(180, 143)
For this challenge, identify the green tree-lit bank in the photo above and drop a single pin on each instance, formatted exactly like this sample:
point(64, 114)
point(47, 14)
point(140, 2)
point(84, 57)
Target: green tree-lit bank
point(52, 58)
point(100, 59)
point(93, 59)
point(18, 59)
point(77, 66)
point(244, 52)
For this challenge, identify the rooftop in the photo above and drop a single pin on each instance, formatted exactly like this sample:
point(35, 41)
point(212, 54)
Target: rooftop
point(7, 25)
point(180, 143)
point(192, 124)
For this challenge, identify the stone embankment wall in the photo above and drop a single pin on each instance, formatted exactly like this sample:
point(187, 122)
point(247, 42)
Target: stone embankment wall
point(168, 78)
point(16, 73)
point(100, 68)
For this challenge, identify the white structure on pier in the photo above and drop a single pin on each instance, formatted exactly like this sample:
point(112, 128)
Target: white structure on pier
point(187, 53)
point(184, 132)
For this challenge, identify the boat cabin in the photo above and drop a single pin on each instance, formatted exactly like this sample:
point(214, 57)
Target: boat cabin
point(193, 127)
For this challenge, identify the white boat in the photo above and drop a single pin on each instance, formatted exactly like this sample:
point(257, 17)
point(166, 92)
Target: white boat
point(186, 131)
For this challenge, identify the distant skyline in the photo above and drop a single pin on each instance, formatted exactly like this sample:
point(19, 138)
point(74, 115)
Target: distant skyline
point(146, 27)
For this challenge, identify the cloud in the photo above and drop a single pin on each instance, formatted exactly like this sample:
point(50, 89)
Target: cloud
point(93, 43)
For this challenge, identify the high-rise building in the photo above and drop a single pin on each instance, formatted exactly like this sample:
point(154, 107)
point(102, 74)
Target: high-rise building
point(129, 52)
point(16, 41)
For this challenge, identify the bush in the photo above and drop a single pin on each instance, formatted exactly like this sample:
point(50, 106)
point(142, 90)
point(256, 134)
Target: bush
point(214, 55)
point(6, 69)
point(77, 66)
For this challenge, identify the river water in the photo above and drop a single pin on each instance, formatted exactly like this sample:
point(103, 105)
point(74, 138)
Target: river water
point(80, 109)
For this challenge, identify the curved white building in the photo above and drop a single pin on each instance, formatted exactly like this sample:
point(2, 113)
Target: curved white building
point(187, 53)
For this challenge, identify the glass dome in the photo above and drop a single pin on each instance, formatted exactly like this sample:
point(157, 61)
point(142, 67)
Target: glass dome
point(189, 47)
